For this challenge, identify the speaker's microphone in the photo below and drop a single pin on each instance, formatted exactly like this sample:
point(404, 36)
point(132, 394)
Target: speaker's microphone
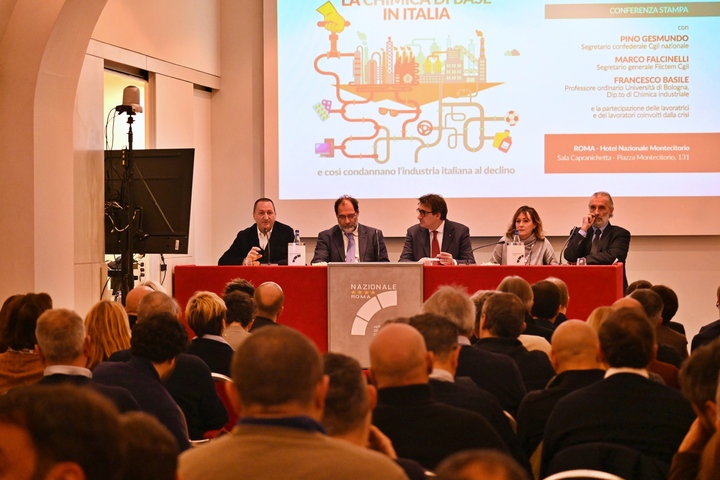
point(377, 246)
point(501, 242)
point(267, 247)
point(573, 231)
point(130, 102)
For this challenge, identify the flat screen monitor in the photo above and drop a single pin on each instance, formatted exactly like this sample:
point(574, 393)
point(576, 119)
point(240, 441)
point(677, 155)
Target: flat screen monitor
point(161, 197)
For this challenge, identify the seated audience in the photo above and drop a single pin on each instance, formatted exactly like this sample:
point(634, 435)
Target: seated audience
point(108, 326)
point(58, 432)
point(670, 308)
point(637, 284)
point(709, 332)
point(205, 314)
point(240, 317)
point(480, 465)
point(132, 302)
point(564, 299)
point(151, 452)
point(269, 299)
point(653, 306)
point(239, 285)
point(520, 287)
point(501, 324)
point(598, 316)
point(20, 364)
point(419, 427)
point(546, 304)
point(665, 334)
point(625, 408)
point(279, 392)
point(4, 312)
point(155, 344)
point(63, 347)
point(492, 372)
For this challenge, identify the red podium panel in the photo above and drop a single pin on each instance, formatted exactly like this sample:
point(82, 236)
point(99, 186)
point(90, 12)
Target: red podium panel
point(306, 288)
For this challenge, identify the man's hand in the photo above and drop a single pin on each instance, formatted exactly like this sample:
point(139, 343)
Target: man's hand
point(379, 442)
point(253, 257)
point(697, 437)
point(446, 258)
point(587, 222)
point(334, 22)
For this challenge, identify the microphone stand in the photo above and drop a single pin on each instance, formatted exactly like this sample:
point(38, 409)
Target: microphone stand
point(483, 246)
point(127, 277)
point(562, 250)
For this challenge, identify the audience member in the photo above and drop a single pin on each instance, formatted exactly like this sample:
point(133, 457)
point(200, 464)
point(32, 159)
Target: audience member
point(480, 465)
point(520, 287)
point(653, 306)
point(63, 347)
point(546, 304)
point(500, 326)
point(239, 285)
point(157, 302)
point(151, 452)
point(58, 432)
point(156, 342)
point(441, 336)
point(708, 332)
point(4, 312)
point(598, 316)
point(240, 317)
point(20, 364)
point(418, 426)
point(132, 302)
point(625, 408)
point(279, 392)
point(564, 299)
point(699, 384)
point(108, 327)
point(205, 313)
point(637, 284)
point(670, 308)
point(269, 299)
point(492, 372)
point(574, 357)
point(435, 238)
point(348, 410)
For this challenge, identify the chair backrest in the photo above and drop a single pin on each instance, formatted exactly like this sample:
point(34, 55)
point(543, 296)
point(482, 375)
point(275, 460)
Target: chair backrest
point(583, 475)
point(619, 460)
point(220, 381)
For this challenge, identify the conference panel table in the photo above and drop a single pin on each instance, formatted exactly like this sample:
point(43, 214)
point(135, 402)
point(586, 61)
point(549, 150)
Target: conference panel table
point(306, 288)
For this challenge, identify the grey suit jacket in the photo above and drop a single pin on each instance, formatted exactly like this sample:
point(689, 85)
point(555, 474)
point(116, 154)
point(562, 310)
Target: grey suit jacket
point(456, 241)
point(330, 246)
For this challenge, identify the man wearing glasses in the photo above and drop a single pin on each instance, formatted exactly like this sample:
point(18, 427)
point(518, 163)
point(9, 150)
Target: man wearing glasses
point(348, 241)
point(436, 240)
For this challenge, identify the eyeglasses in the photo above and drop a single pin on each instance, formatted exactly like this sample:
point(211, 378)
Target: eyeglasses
point(422, 213)
point(350, 217)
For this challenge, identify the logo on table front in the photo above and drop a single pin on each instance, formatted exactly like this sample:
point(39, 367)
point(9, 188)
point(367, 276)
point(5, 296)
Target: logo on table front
point(386, 298)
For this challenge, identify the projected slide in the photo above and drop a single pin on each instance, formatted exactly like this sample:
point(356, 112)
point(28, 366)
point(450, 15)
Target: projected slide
point(497, 98)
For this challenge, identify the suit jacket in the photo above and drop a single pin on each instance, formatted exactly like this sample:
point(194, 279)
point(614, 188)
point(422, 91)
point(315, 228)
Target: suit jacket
point(121, 397)
point(667, 336)
point(536, 406)
point(142, 380)
point(248, 238)
point(614, 244)
point(261, 322)
point(494, 373)
point(624, 409)
point(707, 334)
point(426, 430)
point(216, 355)
point(535, 366)
point(192, 387)
point(330, 245)
point(456, 241)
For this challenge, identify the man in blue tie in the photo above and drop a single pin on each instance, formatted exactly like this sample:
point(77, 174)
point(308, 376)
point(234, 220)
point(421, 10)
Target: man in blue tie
point(349, 241)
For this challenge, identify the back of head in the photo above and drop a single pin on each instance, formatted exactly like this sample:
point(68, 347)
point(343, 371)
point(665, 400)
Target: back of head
point(205, 313)
point(650, 301)
point(636, 285)
point(563, 288)
point(151, 451)
point(67, 424)
point(157, 302)
point(479, 298)
point(546, 300)
point(598, 316)
point(699, 374)
point(454, 304)
point(520, 287)
point(574, 346)
point(4, 313)
point(398, 356)
point(480, 465)
point(159, 338)
point(239, 285)
point(627, 339)
point(276, 366)
point(134, 297)
point(108, 327)
point(269, 299)
point(440, 334)
point(61, 335)
point(670, 302)
point(22, 316)
point(240, 308)
point(504, 315)
point(347, 403)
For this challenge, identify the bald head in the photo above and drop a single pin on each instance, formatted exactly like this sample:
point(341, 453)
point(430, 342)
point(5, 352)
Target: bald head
point(398, 356)
point(134, 297)
point(269, 299)
point(157, 302)
point(629, 302)
point(574, 347)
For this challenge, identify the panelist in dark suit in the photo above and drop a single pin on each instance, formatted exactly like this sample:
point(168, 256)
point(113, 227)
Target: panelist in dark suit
point(348, 241)
point(251, 245)
point(435, 238)
point(603, 244)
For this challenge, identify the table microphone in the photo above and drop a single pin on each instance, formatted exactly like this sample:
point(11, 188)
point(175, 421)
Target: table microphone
point(501, 242)
point(267, 247)
point(573, 231)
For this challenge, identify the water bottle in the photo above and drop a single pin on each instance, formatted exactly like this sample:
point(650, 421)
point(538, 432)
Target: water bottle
point(296, 251)
point(297, 241)
point(514, 251)
point(516, 238)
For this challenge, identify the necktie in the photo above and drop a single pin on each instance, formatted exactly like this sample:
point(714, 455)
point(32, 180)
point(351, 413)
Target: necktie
point(350, 255)
point(435, 248)
point(595, 241)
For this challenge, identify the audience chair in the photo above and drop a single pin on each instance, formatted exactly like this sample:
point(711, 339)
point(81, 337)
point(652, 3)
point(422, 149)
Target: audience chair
point(220, 381)
point(583, 475)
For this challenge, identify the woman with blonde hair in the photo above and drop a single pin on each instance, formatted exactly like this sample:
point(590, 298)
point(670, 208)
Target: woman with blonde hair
point(108, 327)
